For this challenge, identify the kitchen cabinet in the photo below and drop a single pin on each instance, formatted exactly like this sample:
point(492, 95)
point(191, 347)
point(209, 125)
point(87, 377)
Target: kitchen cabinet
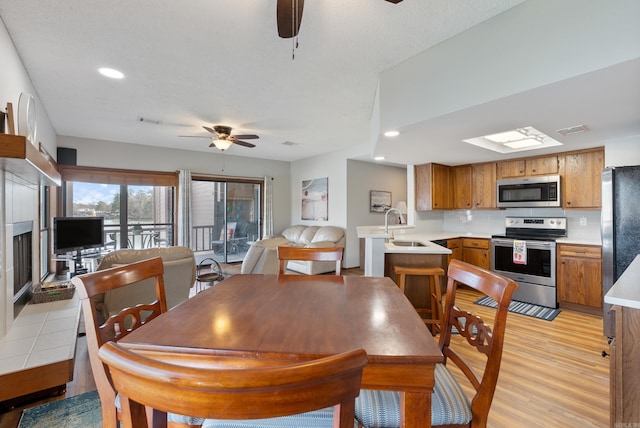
point(582, 179)
point(625, 367)
point(579, 277)
point(476, 252)
point(433, 187)
point(462, 187)
point(484, 185)
point(455, 245)
point(546, 165)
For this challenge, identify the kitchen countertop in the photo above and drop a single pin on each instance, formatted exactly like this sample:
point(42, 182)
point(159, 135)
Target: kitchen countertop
point(626, 290)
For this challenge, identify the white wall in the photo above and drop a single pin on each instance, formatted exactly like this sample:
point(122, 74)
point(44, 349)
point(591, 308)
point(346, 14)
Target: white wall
point(623, 153)
point(362, 177)
point(19, 198)
point(110, 154)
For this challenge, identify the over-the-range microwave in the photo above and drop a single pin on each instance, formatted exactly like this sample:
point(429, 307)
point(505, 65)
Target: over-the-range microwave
point(529, 192)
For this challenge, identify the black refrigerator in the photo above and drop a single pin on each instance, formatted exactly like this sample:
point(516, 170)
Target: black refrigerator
point(619, 227)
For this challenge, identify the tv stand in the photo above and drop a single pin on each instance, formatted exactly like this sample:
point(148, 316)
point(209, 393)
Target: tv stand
point(78, 266)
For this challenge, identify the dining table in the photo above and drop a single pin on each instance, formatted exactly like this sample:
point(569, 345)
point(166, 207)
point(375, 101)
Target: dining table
point(306, 317)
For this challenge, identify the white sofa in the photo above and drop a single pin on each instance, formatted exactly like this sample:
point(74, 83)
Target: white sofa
point(262, 256)
point(315, 237)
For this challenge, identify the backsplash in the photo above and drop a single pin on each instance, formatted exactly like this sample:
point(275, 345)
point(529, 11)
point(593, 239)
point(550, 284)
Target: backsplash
point(581, 224)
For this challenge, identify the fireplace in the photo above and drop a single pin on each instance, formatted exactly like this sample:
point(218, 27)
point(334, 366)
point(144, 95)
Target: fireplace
point(22, 265)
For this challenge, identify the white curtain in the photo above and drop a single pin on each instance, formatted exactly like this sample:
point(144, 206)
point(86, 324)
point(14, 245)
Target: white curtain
point(268, 207)
point(184, 208)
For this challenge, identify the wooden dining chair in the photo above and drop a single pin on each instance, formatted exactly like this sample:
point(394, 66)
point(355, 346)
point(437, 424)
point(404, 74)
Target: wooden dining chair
point(237, 393)
point(309, 253)
point(449, 405)
point(121, 324)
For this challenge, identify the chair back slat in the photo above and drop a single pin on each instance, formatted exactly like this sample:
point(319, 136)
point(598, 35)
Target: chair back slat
point(310, 254)
point(487, 340)
point(91, 285)
point(231, 390)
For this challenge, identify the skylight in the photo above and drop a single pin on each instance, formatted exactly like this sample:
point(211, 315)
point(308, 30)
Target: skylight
point(516, 140)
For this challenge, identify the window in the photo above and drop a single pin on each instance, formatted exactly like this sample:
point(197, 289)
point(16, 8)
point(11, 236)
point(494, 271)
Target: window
point(138, 206)
point(226, 217)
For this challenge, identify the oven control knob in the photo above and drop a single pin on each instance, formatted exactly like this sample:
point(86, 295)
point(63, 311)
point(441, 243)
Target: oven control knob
point(552, 222)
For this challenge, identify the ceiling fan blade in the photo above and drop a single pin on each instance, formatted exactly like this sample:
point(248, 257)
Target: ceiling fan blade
point(246, 136)
point(210, 130)
point(289, 16)
point(242, 143)
point(194, 136)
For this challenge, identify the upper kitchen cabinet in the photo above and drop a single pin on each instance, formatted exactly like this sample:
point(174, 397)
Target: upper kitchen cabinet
point(484, 185)
point(433, 187)
point(546, 165)
point(462, 187)
point(581, 174)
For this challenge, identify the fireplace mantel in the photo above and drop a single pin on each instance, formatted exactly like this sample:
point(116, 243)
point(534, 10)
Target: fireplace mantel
point(23, 159)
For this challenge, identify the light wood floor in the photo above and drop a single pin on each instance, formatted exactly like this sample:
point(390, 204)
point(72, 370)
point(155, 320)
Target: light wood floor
point(552, 374)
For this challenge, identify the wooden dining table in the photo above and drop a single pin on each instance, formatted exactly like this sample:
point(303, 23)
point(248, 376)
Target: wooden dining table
point(309, 316)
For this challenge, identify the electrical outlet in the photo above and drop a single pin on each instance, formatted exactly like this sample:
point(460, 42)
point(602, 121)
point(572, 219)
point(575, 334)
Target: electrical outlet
point(583, 221)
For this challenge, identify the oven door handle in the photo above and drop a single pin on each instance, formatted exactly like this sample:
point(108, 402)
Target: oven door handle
point(535, 245)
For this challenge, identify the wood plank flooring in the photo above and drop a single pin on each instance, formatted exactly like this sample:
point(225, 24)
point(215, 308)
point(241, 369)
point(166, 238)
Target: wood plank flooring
point(552, 374)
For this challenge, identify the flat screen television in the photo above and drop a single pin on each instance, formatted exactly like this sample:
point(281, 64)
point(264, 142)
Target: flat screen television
point(77, 233)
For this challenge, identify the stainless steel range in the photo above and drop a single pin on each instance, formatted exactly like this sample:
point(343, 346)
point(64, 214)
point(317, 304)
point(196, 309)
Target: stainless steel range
point(533, 263)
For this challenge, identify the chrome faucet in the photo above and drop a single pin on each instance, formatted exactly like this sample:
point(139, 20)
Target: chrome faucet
point(386, 219)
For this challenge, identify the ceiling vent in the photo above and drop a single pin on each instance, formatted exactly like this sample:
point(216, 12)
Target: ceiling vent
point(289, 143)
point(573, 130)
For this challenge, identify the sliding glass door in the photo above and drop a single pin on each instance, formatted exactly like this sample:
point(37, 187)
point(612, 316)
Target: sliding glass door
point(227, 217)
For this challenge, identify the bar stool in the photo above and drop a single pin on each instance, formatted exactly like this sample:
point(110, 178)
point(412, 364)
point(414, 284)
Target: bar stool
point(433, 275)
point(211, 275)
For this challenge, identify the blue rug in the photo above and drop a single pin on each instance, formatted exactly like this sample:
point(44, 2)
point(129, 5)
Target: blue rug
point(535, 311)
point(78, 411)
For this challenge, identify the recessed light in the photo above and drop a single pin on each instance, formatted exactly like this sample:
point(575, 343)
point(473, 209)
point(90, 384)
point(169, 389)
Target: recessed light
point(379, 158)
point(111, 73)
point(391, 134)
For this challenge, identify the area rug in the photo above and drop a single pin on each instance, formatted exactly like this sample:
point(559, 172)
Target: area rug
point(535, 311)
point(78, 411)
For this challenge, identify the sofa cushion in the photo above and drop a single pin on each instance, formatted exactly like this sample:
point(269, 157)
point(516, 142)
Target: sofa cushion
point(328, 234)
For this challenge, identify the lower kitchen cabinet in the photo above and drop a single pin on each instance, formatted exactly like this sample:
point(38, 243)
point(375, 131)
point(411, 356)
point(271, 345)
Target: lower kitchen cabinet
point(625, 368)
point(476, 252)
point(579, 277)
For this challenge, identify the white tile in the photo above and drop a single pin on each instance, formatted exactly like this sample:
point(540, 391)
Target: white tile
point(14, 364)
point(59, 324)
point(54, 340)
point(30, 317)
point(48, 356)
point(15, 348)
point(22, 331)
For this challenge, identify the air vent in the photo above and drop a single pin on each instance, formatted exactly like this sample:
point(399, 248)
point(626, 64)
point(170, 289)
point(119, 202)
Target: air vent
point(573, 130)
point(147, 120)
point(289, 143)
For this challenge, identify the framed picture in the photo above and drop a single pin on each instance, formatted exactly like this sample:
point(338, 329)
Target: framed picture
point(379, 201)
point(315, 199)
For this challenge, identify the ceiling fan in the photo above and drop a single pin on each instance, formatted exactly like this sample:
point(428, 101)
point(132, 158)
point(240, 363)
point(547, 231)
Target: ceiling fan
point(222, 138)
point(289, 16)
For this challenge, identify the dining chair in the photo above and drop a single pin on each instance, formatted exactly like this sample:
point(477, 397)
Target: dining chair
point(241, 392)
point(449, 405)
point(309, 253)
point(90, 286)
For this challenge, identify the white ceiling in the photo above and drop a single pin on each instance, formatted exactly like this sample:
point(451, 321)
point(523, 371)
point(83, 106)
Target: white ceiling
point(190, 63)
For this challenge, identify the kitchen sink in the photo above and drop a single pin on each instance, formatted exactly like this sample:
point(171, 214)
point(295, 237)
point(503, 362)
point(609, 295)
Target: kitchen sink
point(408, 243)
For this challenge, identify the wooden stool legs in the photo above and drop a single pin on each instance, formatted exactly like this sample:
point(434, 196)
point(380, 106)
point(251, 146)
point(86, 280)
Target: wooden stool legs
point(433, 275)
